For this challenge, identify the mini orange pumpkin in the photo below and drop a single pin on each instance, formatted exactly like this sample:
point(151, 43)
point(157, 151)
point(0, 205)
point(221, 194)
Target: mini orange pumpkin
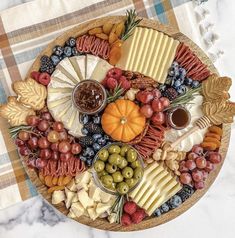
point(122, 120)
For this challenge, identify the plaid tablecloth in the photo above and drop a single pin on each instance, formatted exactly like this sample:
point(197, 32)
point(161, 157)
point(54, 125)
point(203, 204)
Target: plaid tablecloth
point(26, 29)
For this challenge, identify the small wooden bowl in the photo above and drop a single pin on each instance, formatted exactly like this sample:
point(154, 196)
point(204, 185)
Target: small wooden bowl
point(151, 221)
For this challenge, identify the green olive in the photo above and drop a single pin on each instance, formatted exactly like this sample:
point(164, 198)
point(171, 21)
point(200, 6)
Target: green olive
point(135, 164)
point(107, 180)
point(122, 188)
point(138, 173)
point(103, 154)
point(99, 166)
point(131, 155)
point(131, 182)
point(124, 149)
point(123, 163)
point(112, 186)
point(127, 172)
point(102, 173)
point(115, 159)
point(111, 168)
point(114, 149)
point(117, 177)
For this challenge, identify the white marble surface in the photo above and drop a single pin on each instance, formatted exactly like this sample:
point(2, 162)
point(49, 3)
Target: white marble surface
point(213, 216)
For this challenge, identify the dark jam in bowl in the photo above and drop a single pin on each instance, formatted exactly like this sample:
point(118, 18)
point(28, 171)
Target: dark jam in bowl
point(89, 96)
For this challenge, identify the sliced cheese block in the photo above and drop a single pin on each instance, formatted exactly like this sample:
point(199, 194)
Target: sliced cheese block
point(101, 70)
point(59, 79)
point(77, 209)
point(67, 68)
point(156, 187)
point(79, 65)
point(91, 62)
point(149, 52)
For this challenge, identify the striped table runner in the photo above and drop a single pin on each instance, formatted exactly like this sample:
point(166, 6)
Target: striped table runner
point(26, 29)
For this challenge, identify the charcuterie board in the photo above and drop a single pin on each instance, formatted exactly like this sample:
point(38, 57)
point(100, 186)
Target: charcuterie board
point(108, 186)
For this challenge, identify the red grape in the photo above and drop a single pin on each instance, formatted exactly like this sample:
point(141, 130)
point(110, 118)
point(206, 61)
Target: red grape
point(165, 102)
point(76, 148)
point(156, 93)
point(64, 147)
point(204, 174)
point(32, 120)
point(45, 153)
point(201, 162)
point(158, 118)
point(197, 175)
point(65, 156)
point(19, 142)
point(199, 185)
point(23, 135)
point(63, 135)
point(192, 156)
point(53, 136)
point(40, 163)
point(190, 164)
point(33, 142)
point(197, 149)
point(144, 96)
point(215, 157)
point(23, 150)
point(46, 116)
point(43, 125)
point(55, 155)
point(55, 146)
point(157, 105)
point(182, 167)
point(31, 163)
point(43, 143)
point(146, 111)
point(58, 126)
point(185, 178)
point(209, 166)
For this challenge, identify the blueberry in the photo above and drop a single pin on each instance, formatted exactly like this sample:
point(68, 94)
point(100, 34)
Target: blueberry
point(71, 42)
point(174, 202)
point(84, 118)
point(96, 119)
point(106, 137)
point(164, 208)
point(195, 84)
point(83, 158)
point(96, 147)
point(55, 59)
point(58, 50)
point(177, 73)
point(88, 152)
point(84, 131)
point(175, 64)
point(177, 83)
point(182, 89)
point(109, 143)
point(162, 87)
point(157, 213)
point(171, 72)
point(169, 80)
point(89, 162)
point(188, 81)
point(74, 51)
point(101, 141)
point(67, 51)
point(44, 59)
point(182, 72)
point(96, 136)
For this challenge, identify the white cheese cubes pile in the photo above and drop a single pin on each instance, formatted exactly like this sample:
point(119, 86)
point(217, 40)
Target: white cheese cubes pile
point(68, 73)
point(149, 52)
point(82, 197)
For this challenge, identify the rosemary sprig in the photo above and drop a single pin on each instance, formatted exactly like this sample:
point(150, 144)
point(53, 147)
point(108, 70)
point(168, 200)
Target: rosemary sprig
point(186, 98)
point(130, 24)
point(117, 208)
point(115, 94)
point(16, 129)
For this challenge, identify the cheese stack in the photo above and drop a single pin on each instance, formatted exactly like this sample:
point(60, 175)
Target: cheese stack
point(156, 187)
point(68, 73)
point(149, 52)
point(83, 197)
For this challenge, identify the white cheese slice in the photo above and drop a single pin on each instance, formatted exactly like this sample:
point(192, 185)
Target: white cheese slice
point(91, 62)
point(60, 90)
point(70, 117)
point(79, 65)
point(58, 79)
point(92, 213)
point(56, 103)
point(57, 197)
point(85, 200)
point(83, 178)
point(102, 208)
point(69, 197)
point(76, 127)
point(101, 70)
point(67, 68)
point(77, 209)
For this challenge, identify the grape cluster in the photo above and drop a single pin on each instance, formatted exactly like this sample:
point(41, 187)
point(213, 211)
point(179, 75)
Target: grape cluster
point(152, 105)
point(94, 138)
point(45, 140)
point(195, 169)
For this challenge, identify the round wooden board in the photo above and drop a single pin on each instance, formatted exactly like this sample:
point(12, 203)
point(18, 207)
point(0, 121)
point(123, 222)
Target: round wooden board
point(152, 221)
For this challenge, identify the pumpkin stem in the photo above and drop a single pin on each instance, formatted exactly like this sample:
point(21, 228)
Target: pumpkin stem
point(123, 120)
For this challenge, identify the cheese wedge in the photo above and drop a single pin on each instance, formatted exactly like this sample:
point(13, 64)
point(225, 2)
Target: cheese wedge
point(79, 65)
point(59, 79)
point(76, 127)
point(91, 62)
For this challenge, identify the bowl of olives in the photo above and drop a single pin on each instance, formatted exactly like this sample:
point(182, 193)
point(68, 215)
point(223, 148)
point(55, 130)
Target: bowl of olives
point(117, 168)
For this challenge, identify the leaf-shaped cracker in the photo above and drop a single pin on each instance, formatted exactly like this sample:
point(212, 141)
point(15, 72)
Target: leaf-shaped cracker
point(31, 93)
point(216, 88)
point(15, 112)
point(219, 112)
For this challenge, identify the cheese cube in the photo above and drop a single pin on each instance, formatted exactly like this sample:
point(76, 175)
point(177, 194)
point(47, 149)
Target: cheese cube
point(57, 197)
point(83, 178)
point(84, 199)
point(102, 208)
point(94, 192)
point(105, 197)
point(72, 186)
point(71, 214)
point(92, 213)
point(69, 197)
point(77, 209)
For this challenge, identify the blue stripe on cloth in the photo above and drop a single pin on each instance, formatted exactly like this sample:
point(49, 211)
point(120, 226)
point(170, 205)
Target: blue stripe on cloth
point(4, 159)
point(159, 8)
point(32, 188)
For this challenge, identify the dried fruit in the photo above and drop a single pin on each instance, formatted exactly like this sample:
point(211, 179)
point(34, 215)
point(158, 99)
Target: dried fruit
point(95, 31)
point(107, 27)
point(102, 36)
